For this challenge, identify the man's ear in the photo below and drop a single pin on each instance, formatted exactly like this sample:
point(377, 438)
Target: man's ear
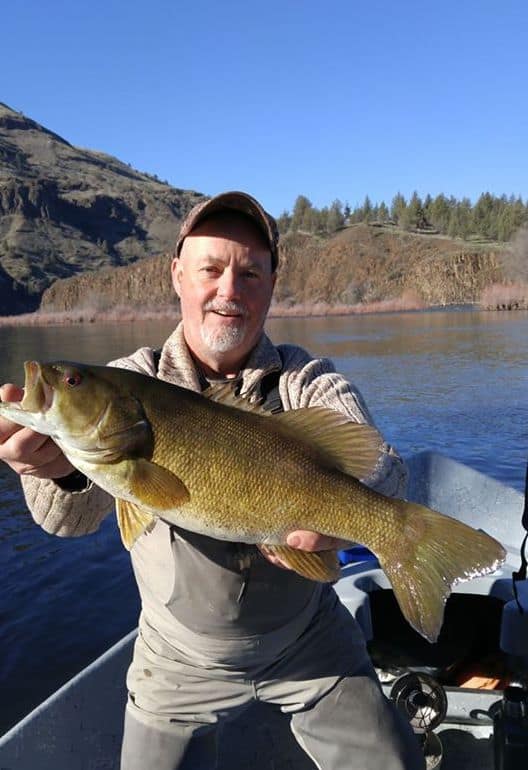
point(176, 274)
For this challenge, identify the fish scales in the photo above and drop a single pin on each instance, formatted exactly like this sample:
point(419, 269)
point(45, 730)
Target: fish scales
point(221, 467)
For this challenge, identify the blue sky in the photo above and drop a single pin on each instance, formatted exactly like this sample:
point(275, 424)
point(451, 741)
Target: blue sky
point(284, 97)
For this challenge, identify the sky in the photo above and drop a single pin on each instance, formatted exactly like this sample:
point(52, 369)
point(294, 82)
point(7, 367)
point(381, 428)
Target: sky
point(331, 100)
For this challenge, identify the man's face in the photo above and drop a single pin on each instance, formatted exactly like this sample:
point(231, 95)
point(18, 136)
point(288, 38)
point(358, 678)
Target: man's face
point(224, 280)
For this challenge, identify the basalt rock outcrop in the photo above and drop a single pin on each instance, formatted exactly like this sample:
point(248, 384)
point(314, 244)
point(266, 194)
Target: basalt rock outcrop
point(360, 264)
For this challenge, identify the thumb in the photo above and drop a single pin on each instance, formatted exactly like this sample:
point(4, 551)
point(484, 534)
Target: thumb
point(10, 392)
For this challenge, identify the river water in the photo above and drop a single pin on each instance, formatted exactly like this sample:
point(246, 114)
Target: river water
point(455, 382)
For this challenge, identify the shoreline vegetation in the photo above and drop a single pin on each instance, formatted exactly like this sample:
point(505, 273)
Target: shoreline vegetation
point(495, 297)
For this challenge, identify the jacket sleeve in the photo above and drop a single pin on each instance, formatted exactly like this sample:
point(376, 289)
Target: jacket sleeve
point(71, 514)
point(308, 381)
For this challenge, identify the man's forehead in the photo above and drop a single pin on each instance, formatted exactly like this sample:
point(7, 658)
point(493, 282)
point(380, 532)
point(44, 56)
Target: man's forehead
point(230, 226)
point(205, 246)
point(242, 257)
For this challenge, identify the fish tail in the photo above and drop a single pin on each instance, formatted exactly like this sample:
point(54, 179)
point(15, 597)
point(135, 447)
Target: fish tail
point(433, 553)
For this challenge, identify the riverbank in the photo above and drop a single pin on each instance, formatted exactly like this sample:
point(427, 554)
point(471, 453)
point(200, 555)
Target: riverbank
point(121, 314)
point(495, 297)
point(505, 297)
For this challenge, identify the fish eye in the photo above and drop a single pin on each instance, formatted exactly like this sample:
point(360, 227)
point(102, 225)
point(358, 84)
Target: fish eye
point(72, 379)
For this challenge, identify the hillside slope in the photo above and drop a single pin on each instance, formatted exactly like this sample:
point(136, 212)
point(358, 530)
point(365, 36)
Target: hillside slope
point(362, 263)
point(80, 229)
point(65, 210)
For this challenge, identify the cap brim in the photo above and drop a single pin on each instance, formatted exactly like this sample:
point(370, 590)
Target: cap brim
point(235, 201)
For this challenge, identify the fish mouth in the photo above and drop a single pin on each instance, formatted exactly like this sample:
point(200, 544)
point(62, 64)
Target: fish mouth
point(38, 395)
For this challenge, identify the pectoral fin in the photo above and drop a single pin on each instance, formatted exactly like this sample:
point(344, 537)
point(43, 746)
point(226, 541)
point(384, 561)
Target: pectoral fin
point(320, 565)
point(132, 522)
point(155, 486)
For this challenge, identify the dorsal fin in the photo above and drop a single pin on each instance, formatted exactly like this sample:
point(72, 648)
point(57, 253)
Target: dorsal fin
point(351, 447)
point(224, 393)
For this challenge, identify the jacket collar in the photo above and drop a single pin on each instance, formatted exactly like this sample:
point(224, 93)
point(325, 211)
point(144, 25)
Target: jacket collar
point(177, 365)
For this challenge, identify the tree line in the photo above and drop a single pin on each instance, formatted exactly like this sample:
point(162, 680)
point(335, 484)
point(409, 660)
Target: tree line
point(491, 217)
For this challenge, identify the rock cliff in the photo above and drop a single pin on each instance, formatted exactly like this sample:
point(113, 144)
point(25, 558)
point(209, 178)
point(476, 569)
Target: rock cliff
point(362, 263)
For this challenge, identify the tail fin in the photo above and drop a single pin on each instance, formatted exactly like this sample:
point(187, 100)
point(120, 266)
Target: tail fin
point(436, 552)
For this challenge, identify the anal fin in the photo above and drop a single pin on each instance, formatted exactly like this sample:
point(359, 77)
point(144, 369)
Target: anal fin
point(322, 566)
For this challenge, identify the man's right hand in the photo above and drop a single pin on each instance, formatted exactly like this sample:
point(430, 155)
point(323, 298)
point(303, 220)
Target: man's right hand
point(29, 453)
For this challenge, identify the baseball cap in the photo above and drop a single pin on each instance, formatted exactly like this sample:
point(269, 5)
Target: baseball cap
point(235, 201)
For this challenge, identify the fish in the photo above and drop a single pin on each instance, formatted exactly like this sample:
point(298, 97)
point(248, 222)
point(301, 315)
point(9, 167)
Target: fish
point(219, 465)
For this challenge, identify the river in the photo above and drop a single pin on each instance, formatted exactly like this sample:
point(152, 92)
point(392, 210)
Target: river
point(452, 381)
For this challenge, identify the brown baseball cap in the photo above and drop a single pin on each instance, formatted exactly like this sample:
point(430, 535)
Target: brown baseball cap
point(235, 201)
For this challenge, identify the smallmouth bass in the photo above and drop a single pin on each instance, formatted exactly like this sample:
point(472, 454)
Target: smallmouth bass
point(222, 467)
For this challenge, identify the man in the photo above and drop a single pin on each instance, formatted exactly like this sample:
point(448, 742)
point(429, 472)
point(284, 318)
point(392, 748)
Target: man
point(223, 624)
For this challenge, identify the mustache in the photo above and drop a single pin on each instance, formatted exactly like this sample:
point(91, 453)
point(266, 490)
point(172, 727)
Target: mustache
point(226, 307)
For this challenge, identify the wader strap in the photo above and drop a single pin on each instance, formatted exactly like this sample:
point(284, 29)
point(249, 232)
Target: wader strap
point(269, 387)
point(156, 354)
point(269, 390)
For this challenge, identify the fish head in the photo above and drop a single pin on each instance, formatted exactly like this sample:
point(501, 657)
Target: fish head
point(84, 410)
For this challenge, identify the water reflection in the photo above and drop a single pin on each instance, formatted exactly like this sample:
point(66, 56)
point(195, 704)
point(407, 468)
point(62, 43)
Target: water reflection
point(454, 381)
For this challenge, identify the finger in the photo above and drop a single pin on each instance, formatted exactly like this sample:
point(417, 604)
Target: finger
point(10, 392)
point(306, 540)
point(55, 469)
point(30, 453)
point(309, 541)
point(8, 429)
point(47, 462)
point(21, 443)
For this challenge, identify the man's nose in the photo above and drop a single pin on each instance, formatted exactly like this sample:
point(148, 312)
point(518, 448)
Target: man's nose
point(229, 285)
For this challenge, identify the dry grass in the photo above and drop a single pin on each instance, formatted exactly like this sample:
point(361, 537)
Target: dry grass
point(88, 315)
point(408, 301)
point(500, 296)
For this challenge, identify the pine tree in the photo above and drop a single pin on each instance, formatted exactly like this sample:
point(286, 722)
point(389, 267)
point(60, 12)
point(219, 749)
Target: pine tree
point(398, 207)
point(413, 216)
point(335, 218)
point(485, 216)
point(302, 213)
point(383, 212)
point(284, 222)
point(440, 213)
point(366, 210)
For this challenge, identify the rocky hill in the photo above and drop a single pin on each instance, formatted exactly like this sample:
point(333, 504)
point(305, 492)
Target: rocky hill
point(82, 230)
point(367, 263)
point(362, 263)
point(66, 210)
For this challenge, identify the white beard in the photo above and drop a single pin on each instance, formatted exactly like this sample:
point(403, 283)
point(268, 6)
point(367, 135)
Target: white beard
point(225, 339)
point(222, 339)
